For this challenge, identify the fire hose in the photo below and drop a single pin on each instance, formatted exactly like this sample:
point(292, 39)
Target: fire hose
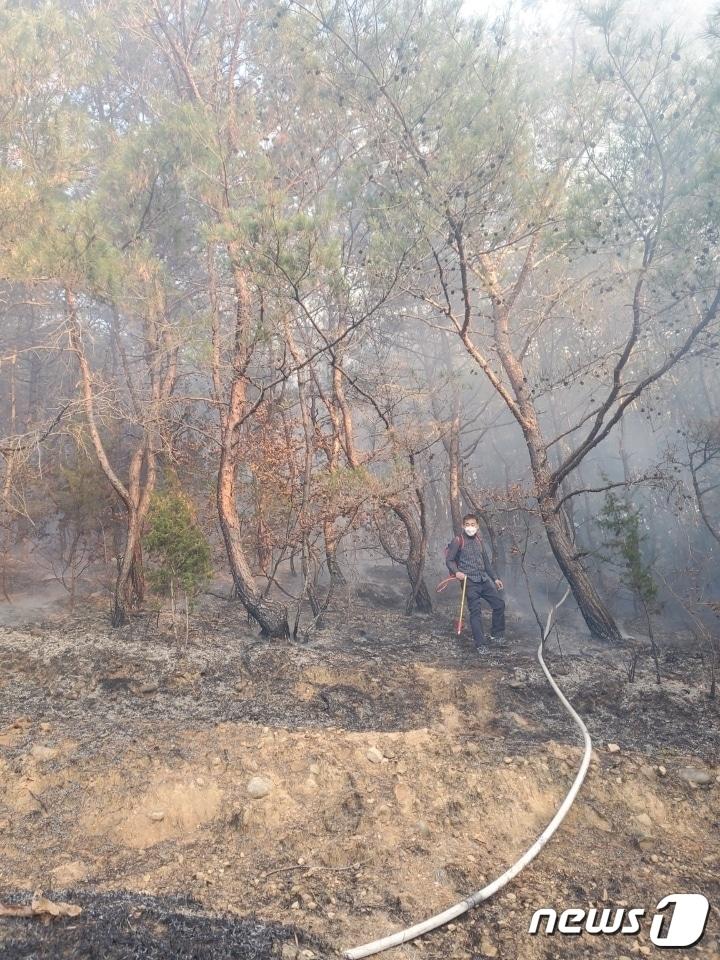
point(403, 936)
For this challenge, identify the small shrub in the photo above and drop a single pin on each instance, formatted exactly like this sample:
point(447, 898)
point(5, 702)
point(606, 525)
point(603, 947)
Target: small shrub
point(178, 549)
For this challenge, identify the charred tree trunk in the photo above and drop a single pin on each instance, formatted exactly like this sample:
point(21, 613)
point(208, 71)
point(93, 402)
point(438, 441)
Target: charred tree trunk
point(271, 615)
point(594, 611)
point(415, 563)
point(130, 582)
point(129, 574)
point(420, 595)
point(264, 550)
point(450, 434)
point(9, 459)
point(596, 615)
point(330, 537)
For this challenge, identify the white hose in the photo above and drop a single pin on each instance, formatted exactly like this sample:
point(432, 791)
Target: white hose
point(402, 936)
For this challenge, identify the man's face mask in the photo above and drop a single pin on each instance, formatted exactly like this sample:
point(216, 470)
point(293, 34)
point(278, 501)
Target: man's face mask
point(470, 529)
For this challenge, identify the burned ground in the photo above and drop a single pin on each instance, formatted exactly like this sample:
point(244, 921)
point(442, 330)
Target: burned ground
point(400, 774)
point(120, 925)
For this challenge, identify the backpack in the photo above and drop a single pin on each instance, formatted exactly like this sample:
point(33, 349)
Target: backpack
point(459, 540)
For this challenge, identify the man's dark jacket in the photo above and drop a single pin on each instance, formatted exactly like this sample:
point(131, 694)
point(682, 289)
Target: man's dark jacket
point(472, 559)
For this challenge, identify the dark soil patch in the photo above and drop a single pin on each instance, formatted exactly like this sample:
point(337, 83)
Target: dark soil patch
point(125, 925)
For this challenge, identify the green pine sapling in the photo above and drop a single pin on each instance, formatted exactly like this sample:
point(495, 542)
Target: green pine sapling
point(179, 549)
point(622, 522)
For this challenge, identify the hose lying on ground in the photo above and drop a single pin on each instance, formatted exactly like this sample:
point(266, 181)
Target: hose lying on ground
point(402, 936)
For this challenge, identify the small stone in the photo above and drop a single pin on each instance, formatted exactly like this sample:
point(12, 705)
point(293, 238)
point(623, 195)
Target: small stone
point(41, 752)
point(423, 829)
point(613, 748)
point(374, 755)
point(654, 858)
point(149, 687)
point(307, 954)
point(4, 824)
point(315, 769)
point(289, 951)
point(644, 841)
point(46, 727)
point(68, 873)
point(488, 948)
point(295, 905)
point(644, 820)
point(259, 787)
point(157, 815)
point(695, 777)
point(661, 771)
point(508, 759)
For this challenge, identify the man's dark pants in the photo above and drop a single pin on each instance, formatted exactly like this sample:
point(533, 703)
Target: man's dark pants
point(488, 592)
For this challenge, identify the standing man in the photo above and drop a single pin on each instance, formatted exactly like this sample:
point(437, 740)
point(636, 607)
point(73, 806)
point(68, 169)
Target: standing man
point(468, 559)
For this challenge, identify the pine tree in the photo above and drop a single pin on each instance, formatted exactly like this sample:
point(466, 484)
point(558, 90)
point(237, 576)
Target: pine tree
point(179, 549)
point(622, 522)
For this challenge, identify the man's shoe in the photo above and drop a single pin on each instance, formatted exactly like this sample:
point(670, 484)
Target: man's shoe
point(498, 641)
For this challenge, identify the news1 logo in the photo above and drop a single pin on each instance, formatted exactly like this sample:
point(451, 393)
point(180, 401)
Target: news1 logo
point(679, 920)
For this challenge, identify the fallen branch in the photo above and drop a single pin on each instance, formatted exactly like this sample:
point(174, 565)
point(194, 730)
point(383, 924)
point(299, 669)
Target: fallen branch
point(41, 907)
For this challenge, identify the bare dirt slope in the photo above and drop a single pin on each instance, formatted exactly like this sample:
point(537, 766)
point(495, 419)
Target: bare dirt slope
point(398, 773)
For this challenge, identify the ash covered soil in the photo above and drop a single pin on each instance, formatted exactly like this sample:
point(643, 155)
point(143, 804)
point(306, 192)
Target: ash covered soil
point(255, 799)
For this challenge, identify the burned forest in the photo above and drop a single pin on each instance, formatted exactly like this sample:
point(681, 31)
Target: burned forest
point(359, 479)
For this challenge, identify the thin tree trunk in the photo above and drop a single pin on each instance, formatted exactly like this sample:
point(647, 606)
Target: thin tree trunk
point(330, 537)
point(271, 615)
point(596, 615)
point(653, 645)
point(415, 563)
point(593, 610)
point(8, 481)
point(454, 469)
point(135, 503)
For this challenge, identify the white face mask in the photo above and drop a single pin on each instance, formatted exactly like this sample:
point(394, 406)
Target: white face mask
point(470, 531)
